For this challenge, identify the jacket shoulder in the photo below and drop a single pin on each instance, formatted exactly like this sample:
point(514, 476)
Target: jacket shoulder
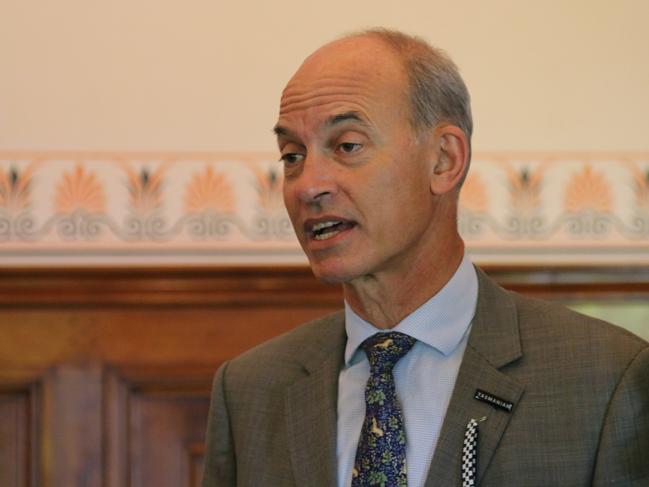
point(558, 319)
point(561, 334)
point(283, 357)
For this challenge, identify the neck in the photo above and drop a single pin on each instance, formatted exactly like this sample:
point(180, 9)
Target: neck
point(385, 299)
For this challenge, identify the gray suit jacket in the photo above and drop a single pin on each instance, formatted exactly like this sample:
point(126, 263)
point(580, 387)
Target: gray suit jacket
point(580, 389)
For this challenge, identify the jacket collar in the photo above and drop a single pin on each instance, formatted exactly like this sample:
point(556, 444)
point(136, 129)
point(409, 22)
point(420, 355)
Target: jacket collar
point(311, 405)
point(494, 342)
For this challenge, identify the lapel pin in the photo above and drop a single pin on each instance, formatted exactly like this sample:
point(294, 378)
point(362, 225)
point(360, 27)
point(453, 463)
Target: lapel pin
point(492, 400)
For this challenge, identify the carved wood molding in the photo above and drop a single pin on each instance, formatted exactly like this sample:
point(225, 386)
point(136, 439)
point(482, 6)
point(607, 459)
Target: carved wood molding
point(164, 286)
point(268, 286)
point(573, 282)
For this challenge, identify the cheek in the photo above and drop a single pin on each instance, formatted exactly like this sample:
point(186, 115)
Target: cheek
point(287, 193)
point(290, 201)
point(403, 198)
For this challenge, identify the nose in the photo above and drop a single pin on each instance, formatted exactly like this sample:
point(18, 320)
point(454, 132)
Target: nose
point(316, 182)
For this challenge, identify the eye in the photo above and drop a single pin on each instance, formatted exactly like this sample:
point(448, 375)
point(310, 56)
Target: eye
point(349, 147)
point(291, 158)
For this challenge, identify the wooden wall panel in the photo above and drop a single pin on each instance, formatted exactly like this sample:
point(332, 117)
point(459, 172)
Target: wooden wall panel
point(40, 336)
point(72, 433)
point(20, 427)
point(164, 427)
point(196, 462)
point(14, 438)
point(105, 373)
point(156, 425)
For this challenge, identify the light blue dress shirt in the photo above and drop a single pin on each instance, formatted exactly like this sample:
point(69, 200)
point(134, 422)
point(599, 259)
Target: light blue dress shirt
point(424, 378)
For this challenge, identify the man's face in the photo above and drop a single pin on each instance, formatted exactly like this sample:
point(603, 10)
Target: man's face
point(356, 183)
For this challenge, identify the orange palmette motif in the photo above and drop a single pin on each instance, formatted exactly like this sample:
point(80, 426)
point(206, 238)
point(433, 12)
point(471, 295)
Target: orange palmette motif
point(209, 191)
point(588, 203)
point(210, 205)
point(80, 204)
point(588, 190)
point(79, 191)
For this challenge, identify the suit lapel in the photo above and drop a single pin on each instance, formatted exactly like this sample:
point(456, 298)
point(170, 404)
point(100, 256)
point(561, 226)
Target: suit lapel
point(493, 343)
point(311, 404)
point(475, 373)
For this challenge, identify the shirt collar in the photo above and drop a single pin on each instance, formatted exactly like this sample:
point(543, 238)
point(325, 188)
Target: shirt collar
point(441, 322)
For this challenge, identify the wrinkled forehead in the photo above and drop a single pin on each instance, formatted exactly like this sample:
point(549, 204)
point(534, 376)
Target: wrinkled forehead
point(357, 69)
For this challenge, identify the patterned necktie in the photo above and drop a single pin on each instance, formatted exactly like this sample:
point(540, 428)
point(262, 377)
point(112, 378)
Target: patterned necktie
point(381, 452)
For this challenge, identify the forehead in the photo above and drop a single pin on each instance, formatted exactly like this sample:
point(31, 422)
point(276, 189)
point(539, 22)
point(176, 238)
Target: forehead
point(359, 74)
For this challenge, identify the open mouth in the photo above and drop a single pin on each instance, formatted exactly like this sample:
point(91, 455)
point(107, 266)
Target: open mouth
point(329, 229)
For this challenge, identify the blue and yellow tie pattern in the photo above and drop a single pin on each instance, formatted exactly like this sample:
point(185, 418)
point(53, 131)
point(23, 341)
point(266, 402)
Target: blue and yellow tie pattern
point(381, 452)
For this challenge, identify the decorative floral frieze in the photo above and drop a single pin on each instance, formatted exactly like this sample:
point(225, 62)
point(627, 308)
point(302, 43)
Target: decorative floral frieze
point(572, 201)
point(228, 207)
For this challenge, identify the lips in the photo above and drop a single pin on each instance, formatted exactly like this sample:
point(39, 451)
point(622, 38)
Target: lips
point(326, 228)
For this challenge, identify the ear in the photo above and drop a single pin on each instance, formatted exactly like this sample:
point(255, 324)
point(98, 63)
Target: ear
point(452, 151)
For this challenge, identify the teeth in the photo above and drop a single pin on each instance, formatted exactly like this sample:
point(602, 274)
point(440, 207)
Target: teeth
point(321, 226)
point(326, 235)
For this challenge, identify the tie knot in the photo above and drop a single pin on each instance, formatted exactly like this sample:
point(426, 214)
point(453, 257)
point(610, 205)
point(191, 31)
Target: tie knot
point(384, 350)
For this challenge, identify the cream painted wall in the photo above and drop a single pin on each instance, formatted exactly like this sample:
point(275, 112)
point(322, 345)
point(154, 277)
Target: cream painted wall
point(206, 75)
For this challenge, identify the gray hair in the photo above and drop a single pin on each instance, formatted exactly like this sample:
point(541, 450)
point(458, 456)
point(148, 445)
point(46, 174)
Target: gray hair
point(437, 91)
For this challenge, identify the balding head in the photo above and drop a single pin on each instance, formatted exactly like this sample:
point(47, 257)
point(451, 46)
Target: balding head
point(436, 89)
point(355, 65)
point(431, 82)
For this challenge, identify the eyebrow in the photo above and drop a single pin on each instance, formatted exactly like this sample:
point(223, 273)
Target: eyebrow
point(344, 117)
point(279, 130)
point(331, 121)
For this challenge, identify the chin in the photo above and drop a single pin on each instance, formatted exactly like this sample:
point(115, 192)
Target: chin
point(333, 270)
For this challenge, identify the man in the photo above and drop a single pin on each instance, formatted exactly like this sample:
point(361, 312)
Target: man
point(374, 132)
